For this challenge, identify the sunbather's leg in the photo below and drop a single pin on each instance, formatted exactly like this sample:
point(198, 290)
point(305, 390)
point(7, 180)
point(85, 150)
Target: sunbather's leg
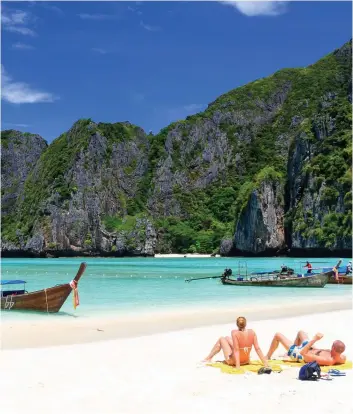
point(278, 339)
point(214, 351)
point(301, 337)
point(226, 348)
point(230, 341)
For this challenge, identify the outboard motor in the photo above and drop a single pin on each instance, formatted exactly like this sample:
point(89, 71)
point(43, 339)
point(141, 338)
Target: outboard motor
point(227, 272)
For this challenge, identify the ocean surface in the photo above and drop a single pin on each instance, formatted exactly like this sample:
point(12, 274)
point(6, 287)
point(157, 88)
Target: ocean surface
point(113, 286)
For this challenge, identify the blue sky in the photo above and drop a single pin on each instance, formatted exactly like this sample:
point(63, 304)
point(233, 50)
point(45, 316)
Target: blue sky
point(149, 63)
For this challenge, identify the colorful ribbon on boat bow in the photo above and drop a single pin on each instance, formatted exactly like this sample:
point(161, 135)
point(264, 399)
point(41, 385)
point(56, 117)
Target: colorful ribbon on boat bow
point(76, 299)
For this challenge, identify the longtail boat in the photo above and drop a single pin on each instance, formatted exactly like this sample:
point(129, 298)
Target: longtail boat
point(342, 280)
point(273, 280)
point(344, 276)
point(276, 278)
point(48, 300)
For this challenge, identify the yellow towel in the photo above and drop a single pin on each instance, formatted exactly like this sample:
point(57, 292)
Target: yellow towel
point(254, 366)
point(346, 365)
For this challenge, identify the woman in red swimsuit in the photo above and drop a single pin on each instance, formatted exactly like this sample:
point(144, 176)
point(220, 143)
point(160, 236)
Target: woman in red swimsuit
point(237, 348)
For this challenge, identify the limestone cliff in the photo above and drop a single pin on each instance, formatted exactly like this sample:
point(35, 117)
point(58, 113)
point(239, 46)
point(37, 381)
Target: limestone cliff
point(86, 176)
point(265, 169)
point(19, 154)
point(260, 227)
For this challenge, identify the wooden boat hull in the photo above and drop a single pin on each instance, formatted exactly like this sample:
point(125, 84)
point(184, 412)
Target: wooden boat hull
point(342, 280)
point(47, 300)
point(318, 280)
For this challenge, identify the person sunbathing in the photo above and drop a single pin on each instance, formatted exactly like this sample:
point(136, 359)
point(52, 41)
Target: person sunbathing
point(237, 348)
point(302, 349)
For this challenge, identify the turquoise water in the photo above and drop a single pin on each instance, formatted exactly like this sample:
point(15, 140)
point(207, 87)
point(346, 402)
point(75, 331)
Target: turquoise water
point(135, 285)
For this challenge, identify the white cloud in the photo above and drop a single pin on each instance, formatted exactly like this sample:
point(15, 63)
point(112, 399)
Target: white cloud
point(55, 9)
point(20, 92)
point(46, 5)
point(22, 46)
point(135, 10)
point(150, 28)
point(17, 17)
point(258, 8)
point(9, 124)
point(87, 16)
point(17, 22)
point(99, 50)
point(21, 30)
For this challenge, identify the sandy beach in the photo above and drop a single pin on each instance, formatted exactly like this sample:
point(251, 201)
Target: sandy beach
point(160, 372)
point(51, 331)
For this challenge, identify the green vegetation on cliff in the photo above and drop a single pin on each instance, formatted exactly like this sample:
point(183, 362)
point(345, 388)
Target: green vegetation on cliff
point(293, 127)
point(290, 103)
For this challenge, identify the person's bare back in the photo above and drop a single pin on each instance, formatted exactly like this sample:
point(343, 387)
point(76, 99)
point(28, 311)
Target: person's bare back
point(237, 348)
point(245, 340)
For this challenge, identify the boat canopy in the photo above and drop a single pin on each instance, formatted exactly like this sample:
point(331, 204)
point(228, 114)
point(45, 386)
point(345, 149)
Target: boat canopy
point(11, 282)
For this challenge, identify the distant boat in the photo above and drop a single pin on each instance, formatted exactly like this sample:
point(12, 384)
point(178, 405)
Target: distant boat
point(46, 300)
point(281, 279)
point(276, 280)
point(344, 276)
point(342, 280)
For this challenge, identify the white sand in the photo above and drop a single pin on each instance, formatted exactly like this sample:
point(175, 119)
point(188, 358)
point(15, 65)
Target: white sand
point(49, 331)
point(160, 374)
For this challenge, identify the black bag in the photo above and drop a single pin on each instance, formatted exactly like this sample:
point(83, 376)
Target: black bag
point(310, 372)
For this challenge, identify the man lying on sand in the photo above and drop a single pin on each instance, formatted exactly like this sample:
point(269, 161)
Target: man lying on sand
point(302, 349)
point(237, 348)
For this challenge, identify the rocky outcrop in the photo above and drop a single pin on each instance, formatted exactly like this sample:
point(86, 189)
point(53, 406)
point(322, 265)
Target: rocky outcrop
point(260, 227)
point(19, 154)
point(99, 183)
point(227, 247)
point(200, 154)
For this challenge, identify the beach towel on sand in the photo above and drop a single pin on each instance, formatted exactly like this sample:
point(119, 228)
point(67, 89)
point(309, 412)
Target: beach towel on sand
point(275, 364)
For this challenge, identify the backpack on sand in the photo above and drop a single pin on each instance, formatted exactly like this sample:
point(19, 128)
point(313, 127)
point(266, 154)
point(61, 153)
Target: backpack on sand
point(310, 372)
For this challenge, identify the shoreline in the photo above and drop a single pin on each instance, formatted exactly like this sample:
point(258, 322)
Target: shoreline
point(19, 334)
point(186, 255)
point(299, 253)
